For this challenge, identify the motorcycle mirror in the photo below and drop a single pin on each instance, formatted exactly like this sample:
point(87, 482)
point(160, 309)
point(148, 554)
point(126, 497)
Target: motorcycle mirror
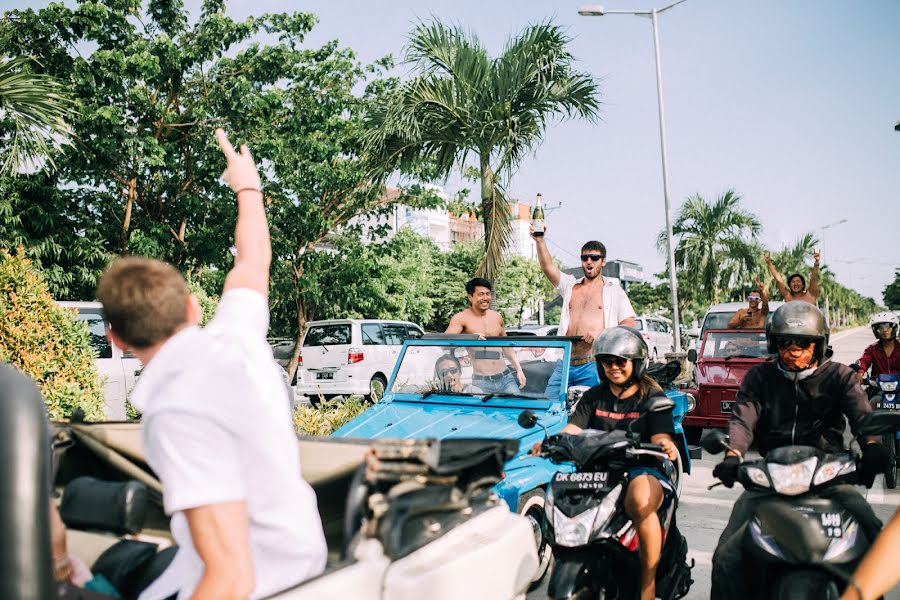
point(714, 441)
point(692, 355)
point(659, 404)
point(527, 419)
point(879, 421)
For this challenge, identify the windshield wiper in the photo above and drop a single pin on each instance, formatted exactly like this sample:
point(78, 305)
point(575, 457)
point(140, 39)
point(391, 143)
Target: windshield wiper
point(503, 395)
point(445, 393)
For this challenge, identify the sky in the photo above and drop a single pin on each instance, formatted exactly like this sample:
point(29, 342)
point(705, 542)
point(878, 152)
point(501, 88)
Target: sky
point(791, 104)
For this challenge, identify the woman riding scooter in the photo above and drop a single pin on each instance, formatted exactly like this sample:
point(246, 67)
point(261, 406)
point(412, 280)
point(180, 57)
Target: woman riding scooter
point(622, 358)
point(883, 356)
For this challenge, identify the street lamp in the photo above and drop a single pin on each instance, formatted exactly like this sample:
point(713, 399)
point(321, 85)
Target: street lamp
point(597, 10)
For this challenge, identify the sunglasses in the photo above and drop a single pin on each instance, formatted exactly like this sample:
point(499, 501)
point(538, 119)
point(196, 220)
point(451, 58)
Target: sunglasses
point(593, 257)
point(448, 371)
point(800, 342)
point(885, 326)
point(609, 361)
point(752, 298)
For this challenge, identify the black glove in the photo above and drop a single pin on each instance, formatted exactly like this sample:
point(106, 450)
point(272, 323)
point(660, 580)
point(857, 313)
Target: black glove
point(726, 471)
point(875, 460)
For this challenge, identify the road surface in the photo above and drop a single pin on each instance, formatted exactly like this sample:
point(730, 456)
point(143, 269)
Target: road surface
point(703, 513)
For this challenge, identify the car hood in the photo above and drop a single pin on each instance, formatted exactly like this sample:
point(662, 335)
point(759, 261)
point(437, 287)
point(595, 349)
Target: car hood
point(439, 421)
point(730, 373)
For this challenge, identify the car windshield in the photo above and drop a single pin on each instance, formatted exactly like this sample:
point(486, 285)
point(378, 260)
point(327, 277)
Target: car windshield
point(744, 344)
point(477, 370)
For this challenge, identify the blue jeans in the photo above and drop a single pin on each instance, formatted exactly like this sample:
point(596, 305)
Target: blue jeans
point(585, 374)
point(502, 383)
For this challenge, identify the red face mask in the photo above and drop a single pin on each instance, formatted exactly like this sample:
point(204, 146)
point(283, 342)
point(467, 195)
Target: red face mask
point(797, 359)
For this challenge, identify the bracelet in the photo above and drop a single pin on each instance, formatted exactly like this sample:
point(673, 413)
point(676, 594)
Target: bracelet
point(248, 189)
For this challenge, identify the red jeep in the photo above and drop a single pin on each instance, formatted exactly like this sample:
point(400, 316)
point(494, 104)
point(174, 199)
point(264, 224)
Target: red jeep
point(725, 357)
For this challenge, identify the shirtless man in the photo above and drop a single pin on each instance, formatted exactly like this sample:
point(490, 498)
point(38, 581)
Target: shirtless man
point(754, 316)
point(590, 305)
point(796, 284)
point(490, 375)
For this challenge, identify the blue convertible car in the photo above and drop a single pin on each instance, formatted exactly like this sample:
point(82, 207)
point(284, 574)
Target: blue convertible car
point(432, 394)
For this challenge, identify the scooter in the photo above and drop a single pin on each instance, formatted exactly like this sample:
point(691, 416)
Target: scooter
point(885, 398)
point(594, 541)
point(806, 546)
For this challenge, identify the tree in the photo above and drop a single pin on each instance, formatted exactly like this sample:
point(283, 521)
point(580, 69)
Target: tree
point(35, 107)
point(716, 243)
point(892, 292)
point(520, 285)
point(463, 102)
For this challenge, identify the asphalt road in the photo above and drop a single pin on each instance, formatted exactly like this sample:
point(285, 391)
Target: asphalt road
point(702, 513)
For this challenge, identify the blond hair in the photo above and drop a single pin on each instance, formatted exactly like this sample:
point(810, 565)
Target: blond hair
point(144, 300)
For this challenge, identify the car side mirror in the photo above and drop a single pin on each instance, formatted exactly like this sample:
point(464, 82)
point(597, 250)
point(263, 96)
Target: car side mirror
point(573, 396)
point(527, 419)
point(692, 355)
point(715, 441)
point(659, 404)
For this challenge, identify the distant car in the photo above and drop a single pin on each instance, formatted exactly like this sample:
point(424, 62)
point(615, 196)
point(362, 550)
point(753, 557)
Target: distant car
point(657, 332)
point(344, 357)
point(718, 315)
point(533, 330)
point(119, 369)
point(725, 357)
point(282, 350)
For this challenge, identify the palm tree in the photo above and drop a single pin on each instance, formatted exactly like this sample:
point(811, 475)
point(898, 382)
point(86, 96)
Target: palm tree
point(717, 243)
point(464, 103)
point(38, 107)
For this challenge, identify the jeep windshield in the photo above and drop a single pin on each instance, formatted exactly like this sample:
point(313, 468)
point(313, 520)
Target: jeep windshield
point(728, 345)
point(484, 371)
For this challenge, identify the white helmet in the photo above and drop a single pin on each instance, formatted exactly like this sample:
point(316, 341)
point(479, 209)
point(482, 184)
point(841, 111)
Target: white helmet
point(885, 317)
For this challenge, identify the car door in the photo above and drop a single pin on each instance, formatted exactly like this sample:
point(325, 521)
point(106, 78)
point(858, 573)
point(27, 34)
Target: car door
point(394, 336)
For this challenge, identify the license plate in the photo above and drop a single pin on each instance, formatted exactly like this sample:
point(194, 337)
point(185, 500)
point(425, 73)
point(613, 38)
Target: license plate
point(588, 480)
point(887, 405)
point(324, 375)
point(727, 405)
point(832, 524)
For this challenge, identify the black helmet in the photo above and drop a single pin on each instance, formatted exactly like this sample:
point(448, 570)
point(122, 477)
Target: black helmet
point(624, 342)
point(798, 319)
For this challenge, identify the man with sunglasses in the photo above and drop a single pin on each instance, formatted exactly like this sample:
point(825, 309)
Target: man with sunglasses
point(590, 304)
point(754, 316)
point(796, 284)
point(800, 398)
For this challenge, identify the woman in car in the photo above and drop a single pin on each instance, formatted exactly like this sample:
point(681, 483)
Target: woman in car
point(448, 373)
point(622, 359)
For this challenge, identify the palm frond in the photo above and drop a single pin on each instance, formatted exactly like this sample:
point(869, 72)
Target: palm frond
point(38, 106)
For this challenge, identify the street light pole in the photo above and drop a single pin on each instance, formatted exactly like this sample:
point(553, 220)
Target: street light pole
point(598, 10)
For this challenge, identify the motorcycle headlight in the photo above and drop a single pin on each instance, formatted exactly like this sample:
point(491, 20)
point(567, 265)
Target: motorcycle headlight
point(888, 386)
point(832, 469)
point(580, 529)
point(791, 480)
point(839, 545)
point(758, 476)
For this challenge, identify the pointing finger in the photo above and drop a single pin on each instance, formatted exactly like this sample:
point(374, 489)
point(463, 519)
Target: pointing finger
point(224, 144)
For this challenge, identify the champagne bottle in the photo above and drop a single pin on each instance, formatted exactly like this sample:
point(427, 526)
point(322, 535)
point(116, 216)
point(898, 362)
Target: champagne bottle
point(537, 217)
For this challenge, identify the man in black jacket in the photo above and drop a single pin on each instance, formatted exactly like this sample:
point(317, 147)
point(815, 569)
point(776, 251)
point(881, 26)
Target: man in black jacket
point(800, 398)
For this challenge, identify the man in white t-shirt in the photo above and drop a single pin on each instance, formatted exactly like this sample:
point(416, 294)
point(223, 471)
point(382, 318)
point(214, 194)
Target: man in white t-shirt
point(217, 429)
point(590, 304)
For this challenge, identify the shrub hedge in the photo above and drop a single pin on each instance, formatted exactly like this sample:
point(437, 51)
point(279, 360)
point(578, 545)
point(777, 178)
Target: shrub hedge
point(46, 342)
point(329, 416)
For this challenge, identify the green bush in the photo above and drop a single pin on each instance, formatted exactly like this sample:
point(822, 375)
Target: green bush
point(45, 342)
point(328, 416)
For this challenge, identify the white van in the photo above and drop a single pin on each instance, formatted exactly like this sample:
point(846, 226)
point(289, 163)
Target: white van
point(657, 332)
point(350, 356)
point(119, 369)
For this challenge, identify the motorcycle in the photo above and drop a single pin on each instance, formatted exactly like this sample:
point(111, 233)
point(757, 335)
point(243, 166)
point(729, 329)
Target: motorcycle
point(594, 541)
point(807, 546)
point(885, 398)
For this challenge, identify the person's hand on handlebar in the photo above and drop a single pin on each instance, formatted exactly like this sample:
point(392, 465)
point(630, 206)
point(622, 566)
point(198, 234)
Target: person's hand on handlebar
point(536, 449)
point(669, 448)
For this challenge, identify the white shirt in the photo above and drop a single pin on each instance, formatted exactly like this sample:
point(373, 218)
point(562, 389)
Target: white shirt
point(616, 305)
point(217, 429)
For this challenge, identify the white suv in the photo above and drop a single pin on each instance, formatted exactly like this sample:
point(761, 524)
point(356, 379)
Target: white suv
point(657, 332)
point(350, 356)
point(117, 368)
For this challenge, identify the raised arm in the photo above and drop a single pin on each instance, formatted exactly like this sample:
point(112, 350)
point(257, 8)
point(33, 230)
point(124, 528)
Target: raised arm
point(251, 233)
point(763, 296)
point(814, 278)
point(779, 280)
point(545, 259)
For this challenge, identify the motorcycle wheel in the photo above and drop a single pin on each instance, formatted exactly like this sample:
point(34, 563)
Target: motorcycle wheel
point(890, 475)
point(531, 506)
